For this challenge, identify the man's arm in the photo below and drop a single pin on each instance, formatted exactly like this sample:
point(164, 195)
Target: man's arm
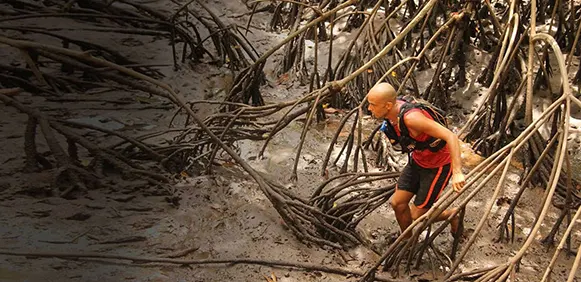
point(418, 123)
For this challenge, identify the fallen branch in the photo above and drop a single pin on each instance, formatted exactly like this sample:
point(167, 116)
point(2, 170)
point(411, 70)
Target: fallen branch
point(142, 259)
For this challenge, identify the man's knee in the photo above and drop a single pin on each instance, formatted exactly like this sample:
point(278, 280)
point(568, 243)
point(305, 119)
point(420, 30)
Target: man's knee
point(399, 205)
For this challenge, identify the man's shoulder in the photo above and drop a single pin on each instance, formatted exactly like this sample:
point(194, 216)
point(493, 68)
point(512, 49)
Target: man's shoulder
point(413, 120)
point(414, 114)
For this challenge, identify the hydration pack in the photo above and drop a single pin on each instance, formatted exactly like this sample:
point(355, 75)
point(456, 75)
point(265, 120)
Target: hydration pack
point(406, 142)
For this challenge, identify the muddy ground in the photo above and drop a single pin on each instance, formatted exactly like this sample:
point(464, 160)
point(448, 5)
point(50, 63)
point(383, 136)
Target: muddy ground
point(218, 217)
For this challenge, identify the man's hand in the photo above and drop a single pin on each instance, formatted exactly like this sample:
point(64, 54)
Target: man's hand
point(458, 181)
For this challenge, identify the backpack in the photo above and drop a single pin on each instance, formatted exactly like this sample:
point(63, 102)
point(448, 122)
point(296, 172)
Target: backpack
point(406, 142)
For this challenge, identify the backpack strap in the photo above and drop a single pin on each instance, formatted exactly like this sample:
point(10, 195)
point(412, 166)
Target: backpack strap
point(409, 143)
point(389, 131)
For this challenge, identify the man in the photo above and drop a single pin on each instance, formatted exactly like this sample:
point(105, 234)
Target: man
point(435, 154)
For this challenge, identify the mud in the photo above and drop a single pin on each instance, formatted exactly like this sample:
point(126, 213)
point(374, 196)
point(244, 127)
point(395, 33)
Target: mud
point(221, 216)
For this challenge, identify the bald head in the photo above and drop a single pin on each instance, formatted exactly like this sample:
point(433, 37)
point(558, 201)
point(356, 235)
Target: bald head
point(381, 99)
point(383, 92)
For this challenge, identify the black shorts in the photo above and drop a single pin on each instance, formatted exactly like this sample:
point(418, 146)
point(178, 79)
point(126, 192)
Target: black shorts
point(426, 183)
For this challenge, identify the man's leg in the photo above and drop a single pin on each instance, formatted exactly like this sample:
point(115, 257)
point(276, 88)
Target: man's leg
point(432, 182)
point(400, 204)
point(454, 222)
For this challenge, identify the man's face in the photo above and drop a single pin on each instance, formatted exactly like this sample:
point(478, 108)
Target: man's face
point(378, 109)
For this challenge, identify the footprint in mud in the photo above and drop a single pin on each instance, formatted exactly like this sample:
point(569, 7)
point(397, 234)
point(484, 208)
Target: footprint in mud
point(131, 42)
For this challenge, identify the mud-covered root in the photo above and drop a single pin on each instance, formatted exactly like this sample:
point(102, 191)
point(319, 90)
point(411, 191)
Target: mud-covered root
point(454, 56)
point(132, 18)
point(76, 74)
point(246, 86)
point(566, 197)
point(350, 198)
point(87, 65)
point(437, 260)
point(184, 28)
point(411, 252)
point(248, 81)
point(506, 271)
point(305, 220)
point(237, 121)
point(352, 147)
point(308, 222)
point(373, 34)
point(484, 125)
point(293, 64)
point(566, 240)
point(286, 14)
point(232, 45)
point(80, 176)
point(356, 55)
